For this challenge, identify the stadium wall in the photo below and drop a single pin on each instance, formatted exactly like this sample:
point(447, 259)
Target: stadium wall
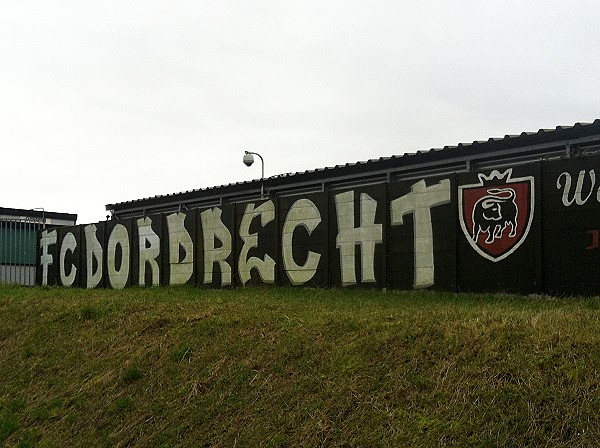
point(527, 229)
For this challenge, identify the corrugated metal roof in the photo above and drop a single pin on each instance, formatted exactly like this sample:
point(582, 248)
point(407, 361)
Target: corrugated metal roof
point(475, 149)
point(37, 213)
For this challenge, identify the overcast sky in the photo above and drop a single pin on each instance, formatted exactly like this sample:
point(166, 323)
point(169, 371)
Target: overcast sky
point(109, 101)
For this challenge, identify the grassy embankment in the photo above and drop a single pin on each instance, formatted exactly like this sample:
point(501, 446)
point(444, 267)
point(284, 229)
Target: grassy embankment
point(296, 368)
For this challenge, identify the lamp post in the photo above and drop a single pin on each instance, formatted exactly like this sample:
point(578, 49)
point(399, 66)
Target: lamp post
point(248, 161)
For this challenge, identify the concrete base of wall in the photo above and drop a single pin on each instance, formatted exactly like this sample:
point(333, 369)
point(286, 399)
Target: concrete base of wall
point(21, 275)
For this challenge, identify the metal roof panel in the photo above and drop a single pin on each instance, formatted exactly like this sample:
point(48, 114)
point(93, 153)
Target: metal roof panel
point(477, 147)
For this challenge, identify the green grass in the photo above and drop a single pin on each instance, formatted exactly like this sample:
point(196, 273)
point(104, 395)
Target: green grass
point(183, 367)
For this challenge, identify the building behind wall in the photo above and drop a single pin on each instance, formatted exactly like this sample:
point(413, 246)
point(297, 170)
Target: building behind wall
point(560, 143)
point(18, 241)
point(513, 214)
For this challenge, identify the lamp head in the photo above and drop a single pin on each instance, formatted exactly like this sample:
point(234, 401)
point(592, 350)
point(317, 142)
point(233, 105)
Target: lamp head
point(248, 159)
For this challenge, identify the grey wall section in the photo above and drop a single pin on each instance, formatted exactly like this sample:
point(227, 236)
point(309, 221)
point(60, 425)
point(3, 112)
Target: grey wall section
point(256, 243)
point(47, 248)
point(18, 274)
point(69, 256)
point(93, 274)
point(357, 224)
point(421, 244)
point(503, 258)
point(532, 228)
point(571, 226)
point(215, 247)
point(118, 245)
point(304, 234)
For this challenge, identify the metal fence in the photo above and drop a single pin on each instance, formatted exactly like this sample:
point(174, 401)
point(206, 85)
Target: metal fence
point(18, 248)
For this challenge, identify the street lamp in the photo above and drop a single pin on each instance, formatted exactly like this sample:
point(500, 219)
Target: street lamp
point(248, 161)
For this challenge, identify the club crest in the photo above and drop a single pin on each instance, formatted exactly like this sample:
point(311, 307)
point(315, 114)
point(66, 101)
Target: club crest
point(496, 214)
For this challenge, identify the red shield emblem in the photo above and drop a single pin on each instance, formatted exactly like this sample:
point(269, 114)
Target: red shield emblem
point(496, 214)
